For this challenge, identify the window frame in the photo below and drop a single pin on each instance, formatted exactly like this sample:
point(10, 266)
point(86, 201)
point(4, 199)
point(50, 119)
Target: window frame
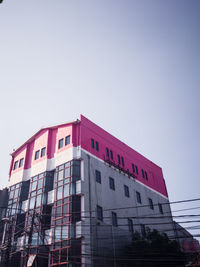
point(112, 183)
point(97, 146)
point(37, 154)
point(126, 191)
point(60, 143)
point(92, 142)
point(98, 176)
point(160, 208)
point(99, 213)
point(21, 162)
point(43, 152)
point(151, 206)
point(138, 197)
point(114, 219)
point(130, 225)
point(67, 140)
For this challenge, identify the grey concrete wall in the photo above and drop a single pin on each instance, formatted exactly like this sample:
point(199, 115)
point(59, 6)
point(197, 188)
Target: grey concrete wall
point(102, 238)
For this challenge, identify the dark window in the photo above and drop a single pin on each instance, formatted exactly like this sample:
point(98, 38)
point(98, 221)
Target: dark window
point(138, 196)
point(133, 167)
point(97, 146)
point(136, 169)
point(151, 204)
point(114, 218)
point(99, 213)
point(146, 176)
point(92, 143)
point(43, 152)
point(15, 165)
point(160, 208)
point(107, 152)
point(122, 161)
point(60, 143)
point(118, 158)
point(143, 230)
point(142, 173)
point(126, 190)
point(112, 183)
point(21, 162)
point(98, 176)
point(37, 154)
point(111, 154)
point(130, 225)
point(67, 140)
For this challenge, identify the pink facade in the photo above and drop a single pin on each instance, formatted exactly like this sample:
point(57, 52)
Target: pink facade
point(81, 133)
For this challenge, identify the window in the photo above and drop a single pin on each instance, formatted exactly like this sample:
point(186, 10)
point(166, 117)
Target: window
point(92, 143)
point(98, 176)
point(107, 152)
point(99, 213)
point(118, 159)
point(126, 191)
point(97, 146)
point(112, 183)
point(21, 162)
point(130, 225)
point(138, 196)
point(122, 161)
point(60, 143)
point(111, 154)
point(114, 219)
point(37, 154)
point(146, 176)
point(151, 204)
point(43, 152)
point(67, 140)
point(160, 208)
point(133, 167)
point(136, 169)
point(142, 173)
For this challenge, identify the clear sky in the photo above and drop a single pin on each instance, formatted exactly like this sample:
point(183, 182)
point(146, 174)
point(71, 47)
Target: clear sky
point(131, 66)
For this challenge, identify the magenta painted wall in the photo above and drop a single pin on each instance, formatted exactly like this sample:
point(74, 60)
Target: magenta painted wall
point(90, 130)
point(81, 134)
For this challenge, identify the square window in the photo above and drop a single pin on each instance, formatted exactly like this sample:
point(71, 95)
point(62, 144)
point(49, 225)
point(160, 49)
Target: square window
point(15, 165)
point(118, 159)
point(151, 204)
point(122, 159)
point(98, 176)
point(60, 143)
point(97, 146)
point(43, 152)
point(99, 213)
point(21, 162)
point(107, 152)
point(112, 183)
point(37, 154)
point(92, 143)
point(114, 219)
point(67, 140)
point(138, 196)
point(126, 191)
point(130, 225)
point(111, 154)
point(160, 208)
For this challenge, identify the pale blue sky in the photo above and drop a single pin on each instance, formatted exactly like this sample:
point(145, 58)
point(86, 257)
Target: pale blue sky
point(132, 67)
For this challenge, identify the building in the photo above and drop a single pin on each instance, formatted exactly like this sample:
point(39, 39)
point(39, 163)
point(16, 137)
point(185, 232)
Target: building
point(76, 194)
